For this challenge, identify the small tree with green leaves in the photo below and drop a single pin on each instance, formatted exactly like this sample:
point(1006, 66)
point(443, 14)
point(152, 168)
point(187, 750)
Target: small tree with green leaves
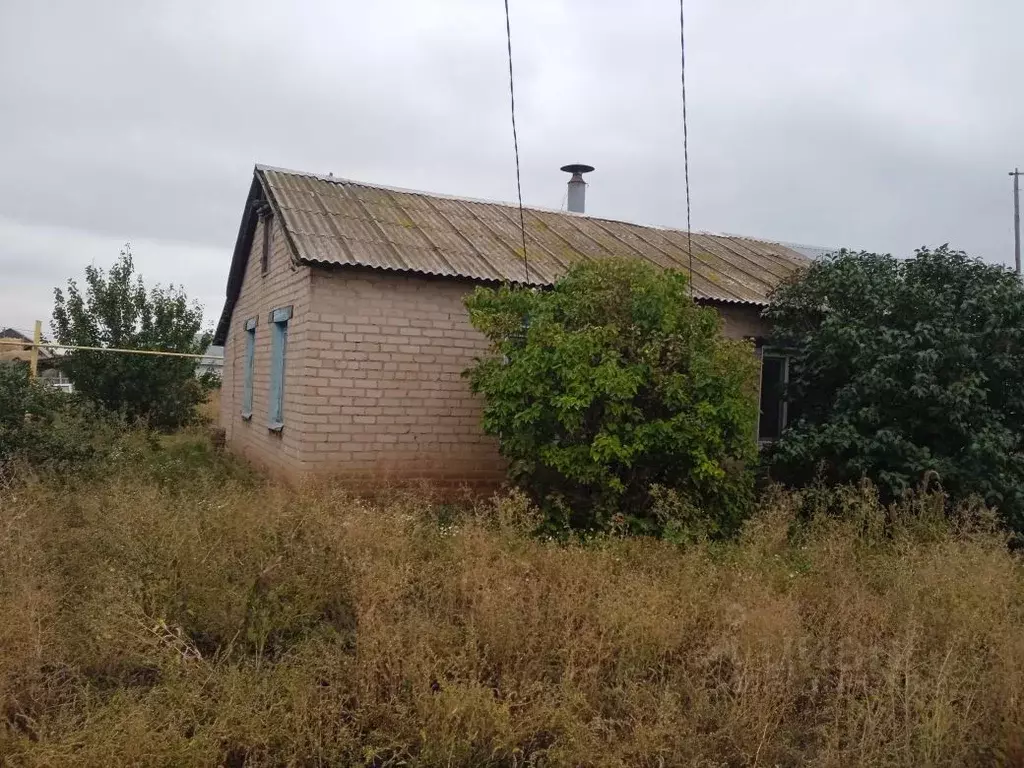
point(904, 368)
point(115, 310)
point(612, 385)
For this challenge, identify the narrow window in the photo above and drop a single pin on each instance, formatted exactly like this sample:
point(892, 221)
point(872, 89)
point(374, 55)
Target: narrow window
point(250, 364)
point(278, 343)
point(774, 376)
point(267, 223)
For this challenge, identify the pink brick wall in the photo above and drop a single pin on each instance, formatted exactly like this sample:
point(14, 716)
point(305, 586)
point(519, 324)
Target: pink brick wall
point(373, 380)
point(284, 284)
point(385, 386)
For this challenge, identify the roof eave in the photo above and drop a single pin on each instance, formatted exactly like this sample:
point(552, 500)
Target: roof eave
point(243, 243)
point(483, 281)
point(259, 191)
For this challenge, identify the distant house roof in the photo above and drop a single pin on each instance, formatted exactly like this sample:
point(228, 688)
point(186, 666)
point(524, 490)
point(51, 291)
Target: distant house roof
point(336, 222)
point(213, 356)
point(9, 352)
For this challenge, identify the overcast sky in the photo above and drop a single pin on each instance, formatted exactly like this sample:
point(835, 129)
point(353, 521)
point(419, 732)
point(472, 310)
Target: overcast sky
point(874, 124)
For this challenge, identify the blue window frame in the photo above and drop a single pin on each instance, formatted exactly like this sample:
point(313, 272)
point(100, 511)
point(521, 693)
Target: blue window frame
point(278, 344)
point(250, 365)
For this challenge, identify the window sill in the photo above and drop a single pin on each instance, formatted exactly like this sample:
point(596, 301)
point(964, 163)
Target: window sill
point(246, 416)
point(276, 426)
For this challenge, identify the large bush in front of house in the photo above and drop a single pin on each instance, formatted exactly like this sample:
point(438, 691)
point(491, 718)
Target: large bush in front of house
point(115, 310)
point(617, 401)
point(903, 369)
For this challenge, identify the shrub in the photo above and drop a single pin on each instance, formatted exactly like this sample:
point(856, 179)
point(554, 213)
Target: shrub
point(43, 427)
point(610, 383)
point(902, 368)
point(116, 311)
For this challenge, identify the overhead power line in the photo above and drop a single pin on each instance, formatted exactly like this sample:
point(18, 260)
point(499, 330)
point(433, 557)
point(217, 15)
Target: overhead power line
point(686, 148)
point(48, 345)
point(515, 141)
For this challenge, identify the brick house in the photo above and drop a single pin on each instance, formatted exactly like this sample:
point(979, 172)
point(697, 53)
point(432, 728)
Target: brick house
point(345, 335)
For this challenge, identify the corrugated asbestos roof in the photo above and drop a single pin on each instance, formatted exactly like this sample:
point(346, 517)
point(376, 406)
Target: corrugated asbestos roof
point(341, 222)
point(338, 222)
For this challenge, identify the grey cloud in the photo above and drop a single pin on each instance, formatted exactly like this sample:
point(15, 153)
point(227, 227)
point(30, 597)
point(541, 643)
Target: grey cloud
point(38, 259)
point(876, 125)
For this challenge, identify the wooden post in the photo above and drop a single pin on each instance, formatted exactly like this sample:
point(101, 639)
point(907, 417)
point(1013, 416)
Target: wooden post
point(37, 338)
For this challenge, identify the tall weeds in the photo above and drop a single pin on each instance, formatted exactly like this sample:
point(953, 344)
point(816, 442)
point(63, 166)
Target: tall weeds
point(179, 611)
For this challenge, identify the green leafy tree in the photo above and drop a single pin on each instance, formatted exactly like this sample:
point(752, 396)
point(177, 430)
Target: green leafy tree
point(115, 310)
point(611, 386)
point(902, 368)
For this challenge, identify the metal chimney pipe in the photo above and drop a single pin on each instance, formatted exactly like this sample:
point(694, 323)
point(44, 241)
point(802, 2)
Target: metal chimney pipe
point(577, 198)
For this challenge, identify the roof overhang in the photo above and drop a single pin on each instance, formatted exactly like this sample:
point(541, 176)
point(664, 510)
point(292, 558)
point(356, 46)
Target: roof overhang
point(261, 194)
point(243, 244)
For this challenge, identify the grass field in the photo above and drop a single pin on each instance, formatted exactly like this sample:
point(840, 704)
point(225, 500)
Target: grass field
point(173, 609)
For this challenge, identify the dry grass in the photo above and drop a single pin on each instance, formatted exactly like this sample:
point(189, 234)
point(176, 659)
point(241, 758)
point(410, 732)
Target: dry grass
point(181, 612)
point(210, 410)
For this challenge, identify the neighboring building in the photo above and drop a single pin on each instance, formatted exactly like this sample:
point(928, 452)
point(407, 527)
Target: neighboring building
point(212, 362)
point(345, 335)
point(19, 352)
point(46, 362)
point(56, 379)
point(22, 353)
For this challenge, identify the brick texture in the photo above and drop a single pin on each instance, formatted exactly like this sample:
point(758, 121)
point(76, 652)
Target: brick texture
point(373, 383)
point(385, 389)
point(284, 284)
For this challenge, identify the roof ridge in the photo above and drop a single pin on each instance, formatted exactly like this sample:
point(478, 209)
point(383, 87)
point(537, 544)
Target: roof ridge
point(407, 191)
point(507, 204)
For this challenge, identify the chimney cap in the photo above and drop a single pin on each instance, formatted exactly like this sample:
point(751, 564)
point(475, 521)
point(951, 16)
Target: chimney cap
point(577, 168)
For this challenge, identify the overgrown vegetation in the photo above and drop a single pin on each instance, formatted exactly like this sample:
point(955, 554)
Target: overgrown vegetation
point(160, 604)
point(905, 367)
point(116, 311)
point(41, 427)
point(179, 611)
point(611, 386)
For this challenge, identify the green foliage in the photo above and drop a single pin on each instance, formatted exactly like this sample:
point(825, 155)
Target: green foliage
point(901, 367)
point(116, 311)
point(609, 384)
point(43, 427)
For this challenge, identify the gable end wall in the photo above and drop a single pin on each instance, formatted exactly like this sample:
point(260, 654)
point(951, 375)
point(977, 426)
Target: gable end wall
point(284, 284)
